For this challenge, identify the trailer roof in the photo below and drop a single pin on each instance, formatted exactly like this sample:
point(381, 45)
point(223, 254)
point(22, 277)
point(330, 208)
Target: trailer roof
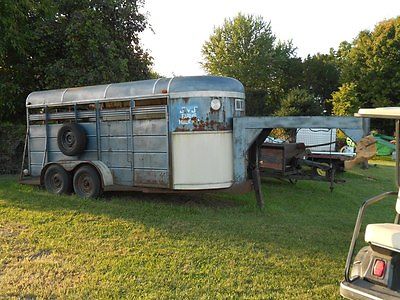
point(174, 87)
point(379, 112)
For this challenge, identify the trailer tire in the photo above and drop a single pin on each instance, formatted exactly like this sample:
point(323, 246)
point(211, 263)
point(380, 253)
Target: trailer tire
point(71, 139)
point(87, 183)
point(57, 180)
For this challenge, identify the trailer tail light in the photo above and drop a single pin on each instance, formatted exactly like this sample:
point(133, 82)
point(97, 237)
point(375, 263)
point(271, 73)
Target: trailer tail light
point(379, 268)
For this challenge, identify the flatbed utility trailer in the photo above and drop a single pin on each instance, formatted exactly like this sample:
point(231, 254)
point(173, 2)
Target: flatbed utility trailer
point(323, 148)
point(290, 161)
point(336, 159)
point(177, 134)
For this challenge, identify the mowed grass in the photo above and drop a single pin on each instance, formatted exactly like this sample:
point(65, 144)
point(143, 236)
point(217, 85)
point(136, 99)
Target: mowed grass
point(211, 246)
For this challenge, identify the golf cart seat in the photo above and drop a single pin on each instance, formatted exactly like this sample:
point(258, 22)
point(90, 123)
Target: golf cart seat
point(385, 235)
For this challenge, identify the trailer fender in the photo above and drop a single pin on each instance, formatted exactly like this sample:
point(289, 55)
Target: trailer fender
point(105, 173)
point(70, 166)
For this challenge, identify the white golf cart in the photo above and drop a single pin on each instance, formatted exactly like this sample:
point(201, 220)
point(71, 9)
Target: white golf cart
point(375, 271)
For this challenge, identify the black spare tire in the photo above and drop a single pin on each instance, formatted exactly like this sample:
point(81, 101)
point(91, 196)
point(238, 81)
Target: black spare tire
point(71, 139)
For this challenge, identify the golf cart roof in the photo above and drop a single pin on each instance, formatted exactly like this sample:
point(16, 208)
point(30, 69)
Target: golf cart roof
point(380, 112)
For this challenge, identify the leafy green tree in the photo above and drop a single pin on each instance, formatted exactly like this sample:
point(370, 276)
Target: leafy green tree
point(300, 102)
point(245, 48)
point(345, 101)
point(16, 47)
point(321, 77)
point(67, 43)
point(372, 63)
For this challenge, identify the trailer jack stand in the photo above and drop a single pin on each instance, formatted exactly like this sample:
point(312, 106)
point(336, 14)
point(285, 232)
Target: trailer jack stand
point(257, 187)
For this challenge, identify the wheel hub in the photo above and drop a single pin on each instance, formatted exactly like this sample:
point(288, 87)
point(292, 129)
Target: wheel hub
point(85, 184)
point(69, 139)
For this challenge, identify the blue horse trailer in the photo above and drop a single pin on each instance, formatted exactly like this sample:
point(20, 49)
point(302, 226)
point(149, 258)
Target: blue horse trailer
point(169, 133)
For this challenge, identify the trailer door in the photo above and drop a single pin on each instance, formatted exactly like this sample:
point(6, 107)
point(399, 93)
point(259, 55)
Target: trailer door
point(150, 143)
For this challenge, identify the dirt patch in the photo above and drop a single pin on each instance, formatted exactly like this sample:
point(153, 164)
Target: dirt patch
point(39, 254)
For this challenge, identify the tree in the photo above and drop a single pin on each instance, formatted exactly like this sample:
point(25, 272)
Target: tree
point(321, 77)
point(345, 101)
point(15, 52)
point(299, 102)
point(245, 48)
point(69, 43)
point(372, 63)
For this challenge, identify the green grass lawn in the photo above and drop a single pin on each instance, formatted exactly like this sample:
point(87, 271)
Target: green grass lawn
point(213, 246)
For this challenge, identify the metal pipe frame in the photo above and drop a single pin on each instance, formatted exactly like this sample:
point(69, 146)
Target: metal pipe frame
point(21, 175)
point(46, 137)
point(397, 152)
point(28, 140)
point(98, 139)
point(357, 228)
point(131, 108)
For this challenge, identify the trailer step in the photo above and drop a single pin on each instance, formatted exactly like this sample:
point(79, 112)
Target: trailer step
point(30, 180)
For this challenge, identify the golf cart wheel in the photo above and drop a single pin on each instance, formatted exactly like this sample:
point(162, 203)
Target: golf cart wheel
point(87, 183)
point(71, 139)
point(57, 180)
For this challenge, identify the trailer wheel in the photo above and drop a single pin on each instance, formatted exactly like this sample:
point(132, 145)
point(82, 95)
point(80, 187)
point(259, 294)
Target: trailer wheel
point(71, 139)
point(57, 180)
point(87, 182)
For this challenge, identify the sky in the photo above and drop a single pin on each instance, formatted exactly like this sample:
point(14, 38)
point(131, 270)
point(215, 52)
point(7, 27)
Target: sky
point(181, 27)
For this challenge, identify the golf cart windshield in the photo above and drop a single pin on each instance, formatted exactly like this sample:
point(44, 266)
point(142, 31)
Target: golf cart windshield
point(386, 113)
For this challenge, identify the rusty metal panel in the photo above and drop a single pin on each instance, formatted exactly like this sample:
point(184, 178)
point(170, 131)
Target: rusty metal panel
point(196, 114)
point(115, 143)
point(114, 128)
point(150, 144)
point(37, 157)
point(87, 155)
point(39, 130)
point(151, 178)
point(150, 127)
point(36, 169)
point(151, 161)
point(122, 176)
point(272, 158)
point(142, 143)
point(116, 159)
point(37, 144)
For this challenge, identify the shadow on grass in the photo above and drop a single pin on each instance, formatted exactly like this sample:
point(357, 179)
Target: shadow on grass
point(200, 200)
point(235, 219)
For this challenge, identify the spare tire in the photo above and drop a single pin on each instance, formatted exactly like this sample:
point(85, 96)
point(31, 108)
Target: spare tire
point(71, 139)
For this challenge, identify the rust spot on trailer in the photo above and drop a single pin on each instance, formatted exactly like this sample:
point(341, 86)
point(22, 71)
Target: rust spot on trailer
point(195, 124)
point(182, 129)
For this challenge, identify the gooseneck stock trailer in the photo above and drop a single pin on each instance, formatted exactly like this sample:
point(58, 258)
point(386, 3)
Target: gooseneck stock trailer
point(169, 134)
